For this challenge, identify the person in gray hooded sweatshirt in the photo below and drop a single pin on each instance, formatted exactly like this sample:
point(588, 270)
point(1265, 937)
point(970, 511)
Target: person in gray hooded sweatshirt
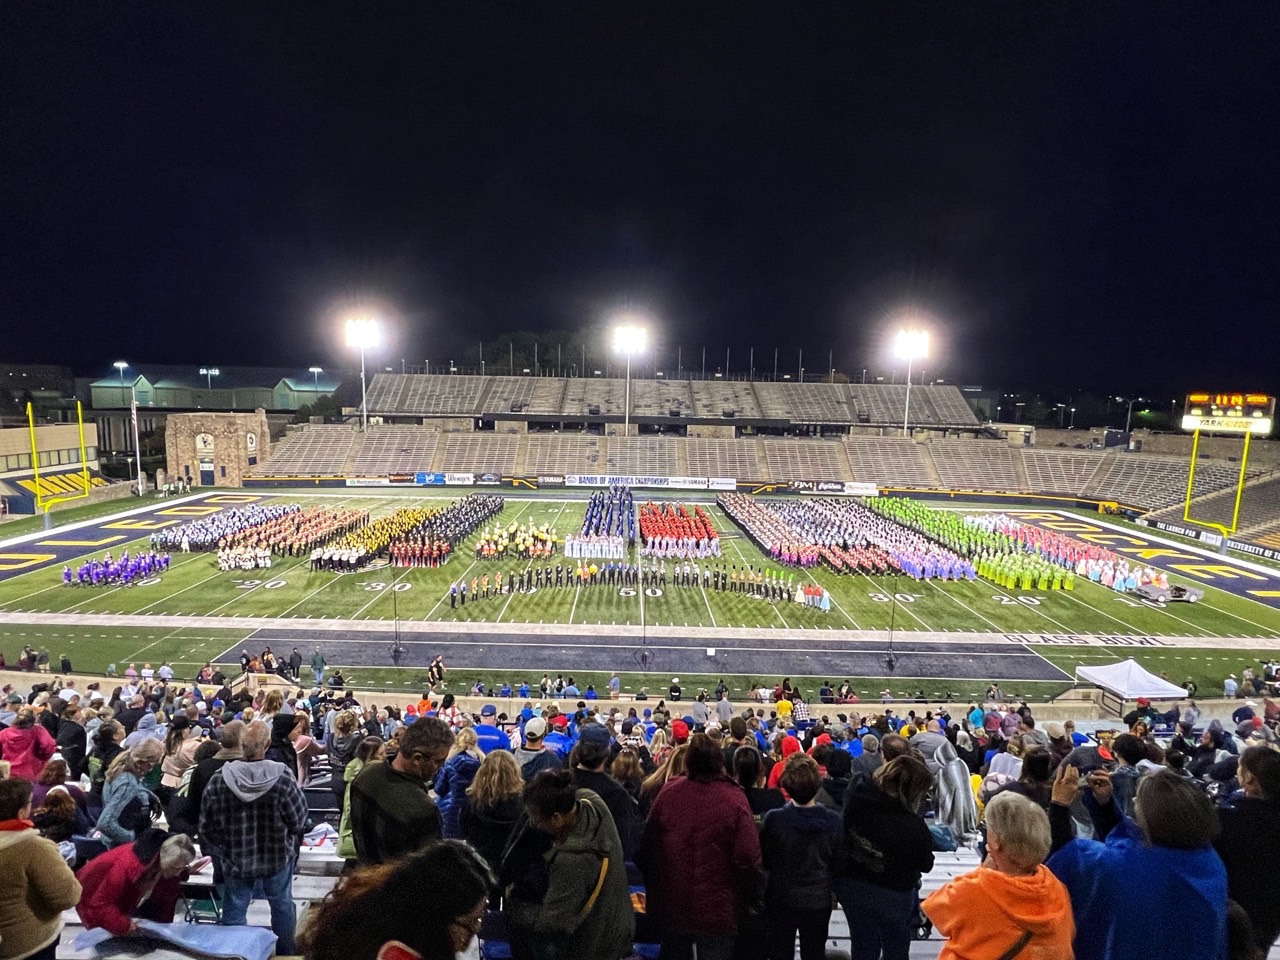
point(252, 816)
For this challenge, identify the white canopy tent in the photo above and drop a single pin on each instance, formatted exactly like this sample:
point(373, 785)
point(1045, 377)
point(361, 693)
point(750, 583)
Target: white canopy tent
point(1129, 681)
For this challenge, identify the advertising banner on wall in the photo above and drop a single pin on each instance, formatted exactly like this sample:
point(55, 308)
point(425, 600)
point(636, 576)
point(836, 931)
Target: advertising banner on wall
point(430, 479)
point(368, 482)
point(551, 480)
point(459, 479)
point(722, 483)
point(602, 480)
point(840, 488)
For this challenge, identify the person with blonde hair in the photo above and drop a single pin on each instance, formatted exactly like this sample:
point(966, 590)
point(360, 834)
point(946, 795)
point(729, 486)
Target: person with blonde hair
point(1012, 902)
point(126, 802)
point(180, 746)
point(342, 748)
point(453, 779)
point(272, 704)
point(492, 806)
point(140, 881)
point(668, 770)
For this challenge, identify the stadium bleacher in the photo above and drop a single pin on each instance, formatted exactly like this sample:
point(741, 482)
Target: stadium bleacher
point(394, 449)
point(725, 458)
point(1153, 482)
point(583, 395)
point(712, 398)
point(806, 459)
point(560, 453)
point(804, 402)
point(1061, 471)
point(648, 456)
point(315, 451)
point(975, 464)
point(481, 452)
point(892, 461)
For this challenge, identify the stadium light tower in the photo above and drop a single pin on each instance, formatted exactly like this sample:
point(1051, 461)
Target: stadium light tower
point(315, 375)
point(363, 334)
point(910, 345)
point(209, 373)
point(629, 339)
point(133, 411)
point(1128, 417)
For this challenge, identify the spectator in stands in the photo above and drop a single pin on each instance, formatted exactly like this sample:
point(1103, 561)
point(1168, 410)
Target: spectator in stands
point(668, 770)
point(71, 740)
point(37, 884)
point(1250, 843)
point(180, 745)
point(228, 750)
point(492, 806)
point(139, 881)
point(803, 847)
point(707, 811)
point(863, 767)
point(1012, 905)
point(889, 848)
point(1036, 780)
point(629, 771)
point(392, 814)
point(428, 906)
point(346, 737)
point(26, 745)
point(534, 757)
point(126, 801)
point(371, 750)
point(587, 766)
point(106, 745)
point(568, 898)
point(252, 817)
point(1168, 849)
point(453, 779)
point(490, 736)
point(748, 769)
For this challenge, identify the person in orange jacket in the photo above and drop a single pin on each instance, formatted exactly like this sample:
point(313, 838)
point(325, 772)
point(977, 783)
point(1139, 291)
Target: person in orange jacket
point(1012, 905)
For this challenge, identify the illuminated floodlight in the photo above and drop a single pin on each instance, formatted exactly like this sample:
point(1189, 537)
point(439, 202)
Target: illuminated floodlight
point(910, 345)
point(629, 339)
point(363, 333)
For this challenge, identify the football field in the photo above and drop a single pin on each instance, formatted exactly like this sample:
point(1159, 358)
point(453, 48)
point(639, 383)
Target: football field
point(960, 633)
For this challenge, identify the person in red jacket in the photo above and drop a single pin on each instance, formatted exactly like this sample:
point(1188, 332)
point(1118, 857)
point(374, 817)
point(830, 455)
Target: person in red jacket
point(700, 846)
point(26, 745)
point(138, 880)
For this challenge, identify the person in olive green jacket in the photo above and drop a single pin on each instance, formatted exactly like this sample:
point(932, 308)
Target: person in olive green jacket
point(565, 878)
point(36, 884)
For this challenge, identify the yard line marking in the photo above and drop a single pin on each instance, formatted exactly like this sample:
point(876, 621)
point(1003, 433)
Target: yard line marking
point(893, 600)
point(949, 595)
point(510, 596)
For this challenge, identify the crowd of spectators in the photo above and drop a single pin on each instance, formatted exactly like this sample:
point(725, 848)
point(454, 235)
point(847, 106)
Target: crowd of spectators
point(708, 829)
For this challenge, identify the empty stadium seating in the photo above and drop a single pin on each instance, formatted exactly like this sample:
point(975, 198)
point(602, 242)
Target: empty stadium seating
point(881, 404)
point(507, 394)
point(481, 453)
point(949, 405)
point(560, 453)
point(725, 458)
point(315, 451)
point(1153, 482)
point(804, 402)
point(648, 456)
point(582, 394)
point(1061, 471)
point(1259, 507)
point(711, 398)
point(394, 449)
point(892, 461)
point(658, 398)
point(426, 395)
point(806, 459)
point(975, 464)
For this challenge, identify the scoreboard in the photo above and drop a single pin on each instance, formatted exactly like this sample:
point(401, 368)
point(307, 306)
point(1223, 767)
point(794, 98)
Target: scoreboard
point(1240, 413)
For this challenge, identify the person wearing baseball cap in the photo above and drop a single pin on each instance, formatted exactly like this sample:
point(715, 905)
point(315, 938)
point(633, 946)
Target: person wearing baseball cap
point(534, 757)
point(679, 732)
point(489, 736)
point(594, 750)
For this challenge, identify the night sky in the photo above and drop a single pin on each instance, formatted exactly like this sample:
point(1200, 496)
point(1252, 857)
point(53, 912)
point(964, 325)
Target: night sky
point(1073, 196)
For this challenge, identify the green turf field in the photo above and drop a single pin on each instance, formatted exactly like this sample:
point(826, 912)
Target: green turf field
point(195, 587)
